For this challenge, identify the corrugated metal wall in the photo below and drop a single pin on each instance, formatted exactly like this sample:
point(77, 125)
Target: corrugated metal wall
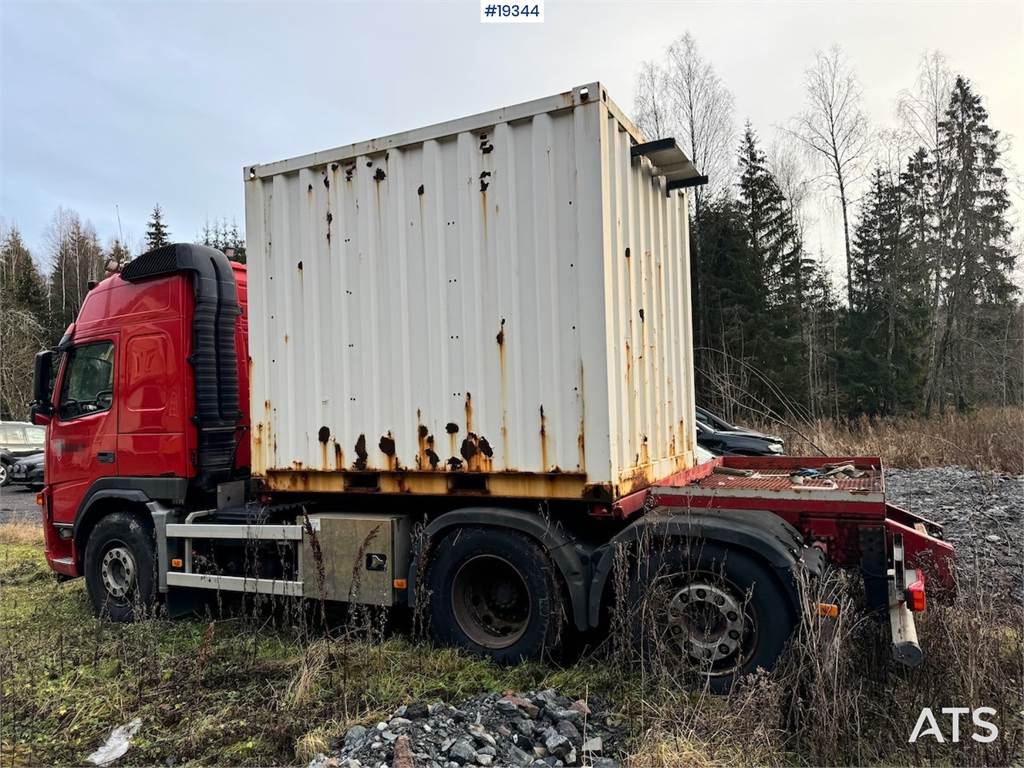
point(435, 302)
point(650, 347)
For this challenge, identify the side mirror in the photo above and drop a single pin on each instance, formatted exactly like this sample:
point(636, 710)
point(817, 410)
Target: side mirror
point(41, 408)
point(40, 413)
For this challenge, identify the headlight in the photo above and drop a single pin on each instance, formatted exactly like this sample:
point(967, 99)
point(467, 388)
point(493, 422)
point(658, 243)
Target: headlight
point(775, 447)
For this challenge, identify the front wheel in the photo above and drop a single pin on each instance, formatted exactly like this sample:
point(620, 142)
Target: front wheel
point(709, 611)
point(120, 567)
point(494, 592)
point(5, 474)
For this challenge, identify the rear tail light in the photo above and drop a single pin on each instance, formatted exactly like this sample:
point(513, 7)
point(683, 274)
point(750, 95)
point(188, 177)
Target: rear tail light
point(916, 600)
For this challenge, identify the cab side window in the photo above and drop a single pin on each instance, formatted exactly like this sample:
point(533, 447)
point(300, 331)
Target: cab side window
point(89, 381)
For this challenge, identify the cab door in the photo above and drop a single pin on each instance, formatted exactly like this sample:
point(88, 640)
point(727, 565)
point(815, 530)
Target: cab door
point(83, 433)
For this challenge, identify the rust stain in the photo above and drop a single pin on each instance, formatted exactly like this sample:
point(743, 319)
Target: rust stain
point(469, 412)
point(360, 462)
point(477, 453)
point(645, 457)
point(500, 338)
point(387, 447)
point(543, 441)
point(339, 456)
point(564, 485)
point(581, 439)
point(421, 443)
point(452, 429)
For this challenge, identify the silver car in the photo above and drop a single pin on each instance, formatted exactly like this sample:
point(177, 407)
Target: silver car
point(18, 439)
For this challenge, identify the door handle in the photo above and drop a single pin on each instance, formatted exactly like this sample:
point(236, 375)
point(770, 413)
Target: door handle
point(105, 457)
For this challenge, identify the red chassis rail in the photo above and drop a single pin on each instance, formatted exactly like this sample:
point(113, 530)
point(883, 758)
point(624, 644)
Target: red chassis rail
point(831, 512)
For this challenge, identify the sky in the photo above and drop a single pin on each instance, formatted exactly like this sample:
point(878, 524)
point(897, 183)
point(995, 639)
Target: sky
point(109, 108)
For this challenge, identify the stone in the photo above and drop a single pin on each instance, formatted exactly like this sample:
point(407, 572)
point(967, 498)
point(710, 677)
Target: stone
point(568, 730)
point(462, 752)
point(400, 712)
point(484, 760)
point(604, 762)
point(381, 726)
point(416, 710)
point(388, 736)
point(522, 726)
point(570, 759)
point(435, 708)
point(557, 745)
point(506, 706)
point(572, 715)
point(481, 735)
point(518, 757)
point(398, 723)
point(377, 745)
point(595, 744)
point(403, 754)
point(490, 751)
point(581, 706)
point(523, 742)
point(354, 735)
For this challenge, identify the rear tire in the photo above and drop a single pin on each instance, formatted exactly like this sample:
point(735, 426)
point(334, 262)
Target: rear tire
point(715, 613)
point(494, 592)
point(120, 567)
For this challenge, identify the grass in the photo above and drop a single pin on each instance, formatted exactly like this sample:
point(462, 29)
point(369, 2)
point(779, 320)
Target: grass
point(986, 439)
point(272, 687)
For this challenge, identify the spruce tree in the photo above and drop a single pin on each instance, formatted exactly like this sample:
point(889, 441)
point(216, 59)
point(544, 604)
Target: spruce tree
point(977, 258)
point(775, 240)
point(156, 231)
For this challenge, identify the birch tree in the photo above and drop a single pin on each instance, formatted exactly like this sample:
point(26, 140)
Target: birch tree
point(834, 129)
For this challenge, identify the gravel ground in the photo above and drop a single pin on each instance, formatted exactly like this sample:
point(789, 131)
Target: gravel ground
point(17, 505)
point(983, 515)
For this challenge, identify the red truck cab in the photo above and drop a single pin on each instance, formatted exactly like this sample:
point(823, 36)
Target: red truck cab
point(128, 379)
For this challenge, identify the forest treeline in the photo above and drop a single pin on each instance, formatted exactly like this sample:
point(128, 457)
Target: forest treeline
point(927, 318)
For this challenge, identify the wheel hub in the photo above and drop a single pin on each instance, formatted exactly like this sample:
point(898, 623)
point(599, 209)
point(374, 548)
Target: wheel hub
point(705, 622)
point(490, 601)
point(118, 571)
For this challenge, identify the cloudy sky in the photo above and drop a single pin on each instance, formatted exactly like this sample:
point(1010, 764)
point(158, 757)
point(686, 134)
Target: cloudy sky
point(131, 103)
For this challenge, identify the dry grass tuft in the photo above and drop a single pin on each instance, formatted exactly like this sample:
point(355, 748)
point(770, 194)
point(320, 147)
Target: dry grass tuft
point(987, 439)
point(21, 533)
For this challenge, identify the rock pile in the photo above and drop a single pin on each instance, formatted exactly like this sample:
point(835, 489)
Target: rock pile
point(541, 729)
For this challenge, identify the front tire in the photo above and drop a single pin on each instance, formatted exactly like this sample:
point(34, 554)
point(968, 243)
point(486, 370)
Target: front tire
point(495, 593)
point(5, 474)
point(120, 568)
point(714, 613)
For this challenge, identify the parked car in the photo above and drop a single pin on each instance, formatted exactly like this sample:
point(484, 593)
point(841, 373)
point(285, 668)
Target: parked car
point(18, 440)
point(720, 437)
point(28, 471)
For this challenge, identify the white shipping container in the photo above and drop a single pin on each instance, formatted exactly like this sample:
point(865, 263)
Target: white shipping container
point(498, 304)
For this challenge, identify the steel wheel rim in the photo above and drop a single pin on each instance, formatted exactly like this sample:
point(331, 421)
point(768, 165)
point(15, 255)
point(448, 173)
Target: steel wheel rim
point(118, 570)
point(3, 473)
point(491, 601)
point(706, 625)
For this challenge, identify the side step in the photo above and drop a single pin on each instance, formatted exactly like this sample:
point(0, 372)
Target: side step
point(234, 584)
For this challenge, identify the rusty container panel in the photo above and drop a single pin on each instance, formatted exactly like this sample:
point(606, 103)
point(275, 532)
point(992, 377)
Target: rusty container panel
point(450, 310)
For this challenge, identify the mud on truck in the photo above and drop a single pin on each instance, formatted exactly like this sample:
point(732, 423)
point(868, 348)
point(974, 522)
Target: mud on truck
point(455, 376)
